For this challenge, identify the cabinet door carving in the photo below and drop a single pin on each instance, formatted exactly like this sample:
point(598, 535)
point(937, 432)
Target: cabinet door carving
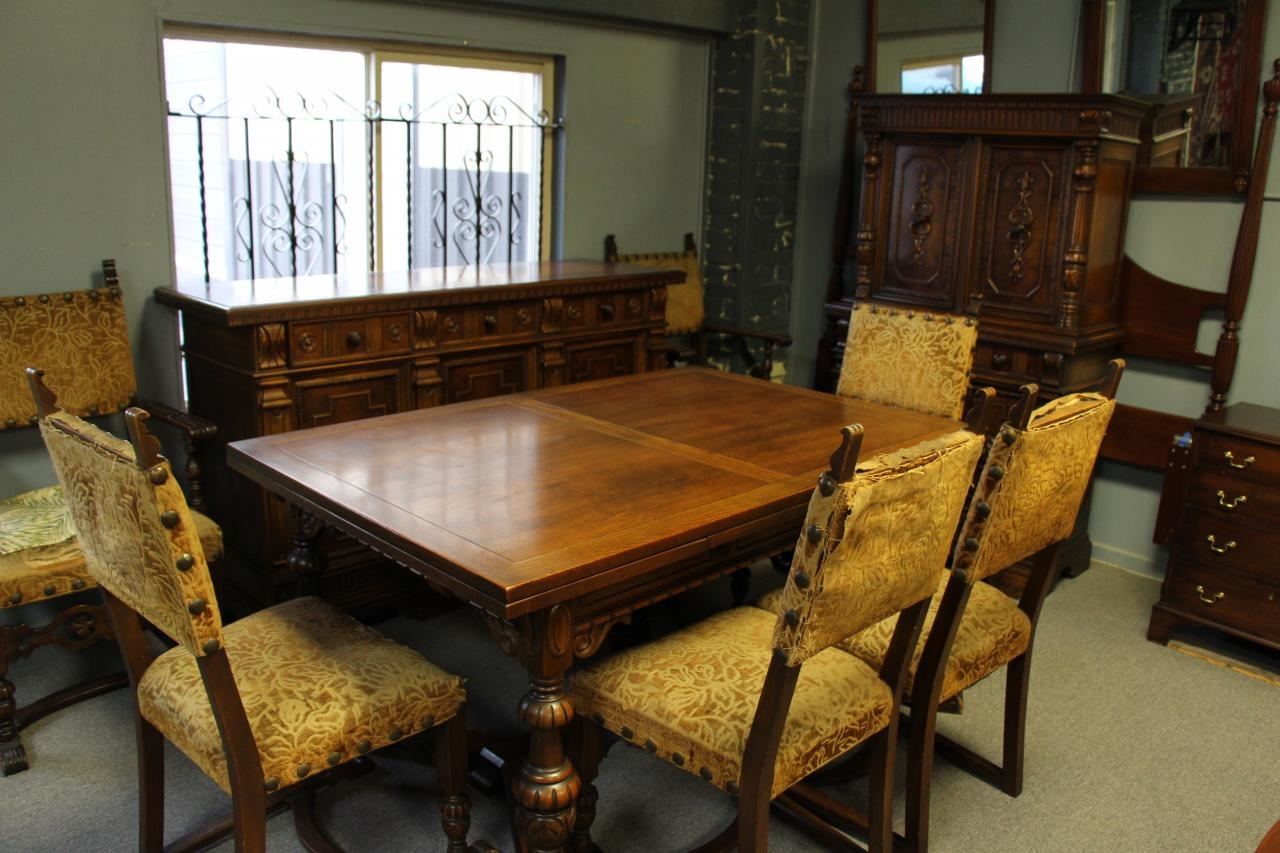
point(602, 359)
point(491, 374)
point(1020, 214)
point(347, 397)
point(919, 252)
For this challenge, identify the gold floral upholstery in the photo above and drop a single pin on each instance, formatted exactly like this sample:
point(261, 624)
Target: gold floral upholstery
point(48, 571)
point(318, 688)
point(690, 697)
point(882, 539)
point(910, 358)
point(992, 632)
point(34, 519)
point(685, 310)
point(139, 538)
point(1046, 473)
point(82, 340)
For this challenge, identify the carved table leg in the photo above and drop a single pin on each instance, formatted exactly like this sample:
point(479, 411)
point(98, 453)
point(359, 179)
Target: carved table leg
point(306, 561)
point(545, 789)
point(13, 757)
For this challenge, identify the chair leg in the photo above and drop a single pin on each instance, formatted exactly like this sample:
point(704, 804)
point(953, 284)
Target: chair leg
point(451, 767)
point(13, 756)
point(249, 817)
point(586, 749)
point(753, 821)
point(1015, 722)
point(880, 807)
point(920, 777)
point(150, 787)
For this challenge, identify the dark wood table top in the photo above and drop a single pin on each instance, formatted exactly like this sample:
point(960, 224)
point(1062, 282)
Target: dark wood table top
point(517, 503)
point(249, 300)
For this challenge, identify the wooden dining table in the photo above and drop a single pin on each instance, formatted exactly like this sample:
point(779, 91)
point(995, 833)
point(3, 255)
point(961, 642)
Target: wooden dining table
point(560, 512)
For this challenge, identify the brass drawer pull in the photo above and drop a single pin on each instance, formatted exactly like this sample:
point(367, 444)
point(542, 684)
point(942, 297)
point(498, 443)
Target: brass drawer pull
point(1234, 502)
point(1231, 460)
point(1217, 596)
point(1215, 548)
point(354, 339)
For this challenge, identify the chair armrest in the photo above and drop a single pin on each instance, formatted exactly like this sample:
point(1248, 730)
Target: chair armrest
point(776, 338)
point(196, 429)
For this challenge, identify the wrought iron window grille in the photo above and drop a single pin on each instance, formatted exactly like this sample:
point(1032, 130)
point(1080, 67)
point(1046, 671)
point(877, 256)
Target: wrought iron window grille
point(287, 220)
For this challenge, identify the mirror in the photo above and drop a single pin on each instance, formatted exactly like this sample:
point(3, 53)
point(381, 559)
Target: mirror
point(930, 47)
point(1195, 63)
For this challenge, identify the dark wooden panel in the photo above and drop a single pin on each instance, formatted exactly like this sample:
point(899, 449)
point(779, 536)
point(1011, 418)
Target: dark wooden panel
point(1162, 319)
point(602, 359)
point(347, 397)
point(918, 254)
point(476, 377)
point(1247, 604)
point(1020, 213)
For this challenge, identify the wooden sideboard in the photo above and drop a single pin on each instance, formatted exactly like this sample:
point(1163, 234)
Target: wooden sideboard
point(270, 356)
point(1224, 563)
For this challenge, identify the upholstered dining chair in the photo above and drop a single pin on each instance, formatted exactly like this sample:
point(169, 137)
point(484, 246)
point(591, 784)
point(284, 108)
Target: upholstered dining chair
point(686, 314)
point(82, 337)
point(901, 356)
point(1024, 504)
point(270, 706)
point(753, 703)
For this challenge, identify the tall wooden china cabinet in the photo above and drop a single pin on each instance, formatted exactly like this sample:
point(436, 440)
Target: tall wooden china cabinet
point(1011, 204)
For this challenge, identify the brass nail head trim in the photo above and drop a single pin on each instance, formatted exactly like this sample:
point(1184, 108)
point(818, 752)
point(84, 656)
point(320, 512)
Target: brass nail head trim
point(826, 484)
point(159, 476)
point(628, 732)
point(271, 784)
point(211, 646)
point(677, 759)
point(792, 618)
point(363, 746)
point(334, 758)
point(996, 472)
point(802, 580)
point(706, 774)
point(16, 598)
point(303, 770)
point(197, 606)
point(814, 533)
point(169, 519)
point(971, 544)
point(50, 589)
point(396, 734)
point(650, 745)
point(1008, 436)
point(429, 723)
point(184, 562)
point(731, 787)
point(78, 584)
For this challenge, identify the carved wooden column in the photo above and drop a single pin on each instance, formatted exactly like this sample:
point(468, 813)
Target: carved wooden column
point(870, 212)
point(306, 561)
point(545, 790)
point(1076, 260)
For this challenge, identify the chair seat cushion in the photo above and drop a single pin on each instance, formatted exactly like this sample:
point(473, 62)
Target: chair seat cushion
point(40, 559)
point(318, 687)
point(691, 696)
point(992, 632)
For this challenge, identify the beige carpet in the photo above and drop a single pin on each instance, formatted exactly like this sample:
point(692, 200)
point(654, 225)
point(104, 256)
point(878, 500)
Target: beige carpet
point(1131, 747)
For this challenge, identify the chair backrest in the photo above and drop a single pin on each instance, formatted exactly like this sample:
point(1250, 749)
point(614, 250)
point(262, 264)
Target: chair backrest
point(138, 537)
point(80, 338)
point(1040, 476)
point(685, 310)
point(874, 543)
point(919, 360)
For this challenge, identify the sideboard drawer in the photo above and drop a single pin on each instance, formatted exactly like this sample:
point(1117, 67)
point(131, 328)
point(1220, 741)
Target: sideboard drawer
point(342, 397)
point(1233, 497)
point(487, 322)
point(1243, 458)
point(336, 340)
point(1211, 540)
point(1249, 605)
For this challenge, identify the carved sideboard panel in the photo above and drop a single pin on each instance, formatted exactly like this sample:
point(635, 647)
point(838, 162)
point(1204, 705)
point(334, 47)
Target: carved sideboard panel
point(276, 355)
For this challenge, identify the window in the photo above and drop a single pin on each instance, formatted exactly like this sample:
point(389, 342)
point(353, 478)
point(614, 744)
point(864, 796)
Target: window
point(947, 75)
point(305, 157)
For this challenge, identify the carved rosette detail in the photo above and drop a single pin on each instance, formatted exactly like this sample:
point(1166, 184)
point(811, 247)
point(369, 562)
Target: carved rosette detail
point(271, 346)
point(307, 342)
point(634, 304)
point(921, 224)
point(1021, 218)
point(524, 317)
point(503, 633)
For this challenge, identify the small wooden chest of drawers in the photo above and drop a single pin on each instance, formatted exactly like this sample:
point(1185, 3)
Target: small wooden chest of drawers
point(1224, 562)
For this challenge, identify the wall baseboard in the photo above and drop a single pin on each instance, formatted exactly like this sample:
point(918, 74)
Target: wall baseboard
point(1131, 561)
